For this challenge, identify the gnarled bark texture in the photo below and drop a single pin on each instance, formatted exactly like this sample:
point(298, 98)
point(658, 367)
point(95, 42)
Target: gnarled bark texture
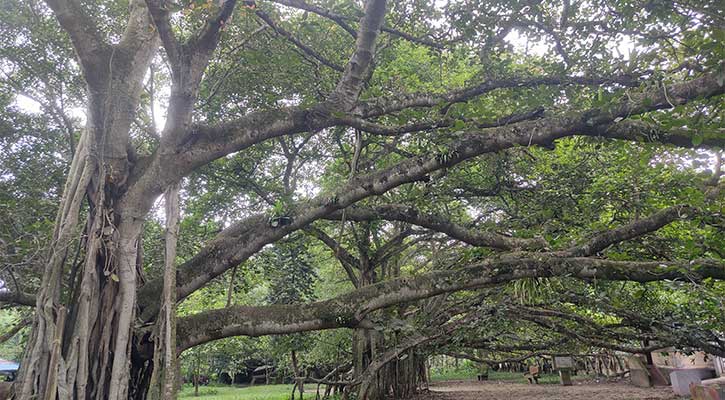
point(85, 343)
point(95, 341)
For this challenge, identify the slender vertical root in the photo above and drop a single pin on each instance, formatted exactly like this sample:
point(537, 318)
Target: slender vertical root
point(163, 379)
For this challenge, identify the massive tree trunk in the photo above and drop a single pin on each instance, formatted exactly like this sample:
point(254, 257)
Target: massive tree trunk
point(95, 346)
point(88, 356)
point(83, 342)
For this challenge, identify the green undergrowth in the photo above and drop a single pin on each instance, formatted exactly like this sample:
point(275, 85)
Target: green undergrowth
point(225, 392)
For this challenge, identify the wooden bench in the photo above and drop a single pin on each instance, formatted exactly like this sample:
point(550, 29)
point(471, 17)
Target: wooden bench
point(533, 374)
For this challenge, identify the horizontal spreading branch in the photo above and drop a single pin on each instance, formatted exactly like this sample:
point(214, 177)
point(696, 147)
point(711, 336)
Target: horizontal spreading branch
point(422, 126)
point(395, 212)
point(593, 341)
point(682, 332)
point(489, 344)
point(350, 309)
point(632, 230)
point(388, 105)
point(642, 131)
point(244, 238)
point(492, 362)
point(384, 130)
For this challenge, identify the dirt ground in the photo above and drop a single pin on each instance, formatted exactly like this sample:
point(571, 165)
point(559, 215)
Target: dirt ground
point(492, 390)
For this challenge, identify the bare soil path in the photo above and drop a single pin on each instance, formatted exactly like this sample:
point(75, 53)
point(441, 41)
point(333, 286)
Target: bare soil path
point(586, 390)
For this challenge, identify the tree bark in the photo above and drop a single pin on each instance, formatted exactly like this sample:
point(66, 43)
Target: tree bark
point(94, 357)
point(99, 352)
point(163, 380)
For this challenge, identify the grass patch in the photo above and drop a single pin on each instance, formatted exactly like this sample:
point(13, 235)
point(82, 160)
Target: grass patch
point(222, 392)
point(453, 375)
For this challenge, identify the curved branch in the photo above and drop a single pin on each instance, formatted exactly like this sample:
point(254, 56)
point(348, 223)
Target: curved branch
point(245, 238)
point(632, 230)
point(87, 41)
point(337, 18)
point(342, 21)
point(350, 309)
point(594, 341)
point(395, 212)
point(305, 48)
point(387, 105)
point(348, 261)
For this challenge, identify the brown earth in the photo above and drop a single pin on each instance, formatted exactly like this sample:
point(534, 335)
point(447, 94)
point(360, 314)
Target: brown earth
point(587, 390)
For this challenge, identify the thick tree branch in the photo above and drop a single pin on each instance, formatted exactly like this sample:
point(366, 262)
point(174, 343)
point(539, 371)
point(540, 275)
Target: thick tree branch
point(383, 130)
point(159, 11)
point(642, 131)
point(188, 62)
point(348, 89)
point(207, 39)
point(349, 309)
point(92, 50)
point(225, 251)
point(445, 122)
point(630, 231)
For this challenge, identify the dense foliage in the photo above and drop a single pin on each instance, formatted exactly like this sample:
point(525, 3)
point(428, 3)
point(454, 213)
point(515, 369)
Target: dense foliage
point(566, 154)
